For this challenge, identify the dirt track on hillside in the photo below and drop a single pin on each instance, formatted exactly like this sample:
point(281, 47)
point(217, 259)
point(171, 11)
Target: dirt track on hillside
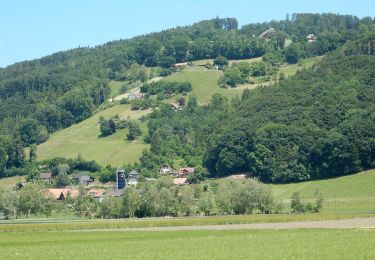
point(343, 223)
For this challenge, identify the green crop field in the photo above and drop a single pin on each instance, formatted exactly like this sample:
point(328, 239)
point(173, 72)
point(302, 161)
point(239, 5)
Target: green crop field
point(228, 244)
point(83, 138)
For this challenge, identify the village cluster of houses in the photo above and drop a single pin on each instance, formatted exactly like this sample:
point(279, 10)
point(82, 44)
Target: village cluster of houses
point(179, 177)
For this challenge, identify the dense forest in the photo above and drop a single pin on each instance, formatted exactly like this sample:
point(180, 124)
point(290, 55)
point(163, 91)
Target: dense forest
point(264, 133)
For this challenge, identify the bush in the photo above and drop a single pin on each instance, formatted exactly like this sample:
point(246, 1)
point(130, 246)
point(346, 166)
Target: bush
point(134, 131)
point(124, 101)
point(221, 61)
point(299, 206)
point(107, 127)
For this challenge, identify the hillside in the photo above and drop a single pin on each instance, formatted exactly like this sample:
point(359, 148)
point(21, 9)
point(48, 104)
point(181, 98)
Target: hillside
point(205, 82)
point(352, 194)
point(316, 124)
point(61, 91)
point(83, 138)
point(349, 194)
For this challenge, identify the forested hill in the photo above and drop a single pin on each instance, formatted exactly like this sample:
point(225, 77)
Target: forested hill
point(41, 96)
point(317, 124)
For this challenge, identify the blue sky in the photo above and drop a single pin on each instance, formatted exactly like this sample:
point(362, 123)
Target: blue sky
point(32, 29)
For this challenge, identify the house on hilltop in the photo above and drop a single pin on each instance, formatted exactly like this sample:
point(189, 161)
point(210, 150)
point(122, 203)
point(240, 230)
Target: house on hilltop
point(185, 172)
point(268, 33)
point(311, 38)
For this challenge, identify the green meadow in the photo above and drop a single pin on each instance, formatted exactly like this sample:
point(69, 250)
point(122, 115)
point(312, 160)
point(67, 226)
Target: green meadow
point(348, 194)
point(83, 138)
point(204, 83)
point(228, 244)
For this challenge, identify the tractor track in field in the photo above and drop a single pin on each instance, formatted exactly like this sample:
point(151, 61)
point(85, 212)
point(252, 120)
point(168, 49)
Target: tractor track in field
point(339, 224)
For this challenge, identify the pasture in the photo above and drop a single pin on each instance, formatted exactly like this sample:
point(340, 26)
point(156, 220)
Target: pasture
point(348, 194)
point(204, 83)
point(83, 138)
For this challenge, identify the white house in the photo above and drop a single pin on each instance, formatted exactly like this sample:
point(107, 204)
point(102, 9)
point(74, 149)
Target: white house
point(311, 38)
point(133, 177)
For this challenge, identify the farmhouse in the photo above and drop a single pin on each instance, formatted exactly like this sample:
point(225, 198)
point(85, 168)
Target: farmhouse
point(97, 194)
point(45, 176)
point(83, 179)
point(311, 38)
point(166, 169)
point(61, 194)
point(268, 33)
point(135, 95)
point(180, 181)
point(133, 177)
point(185, 172)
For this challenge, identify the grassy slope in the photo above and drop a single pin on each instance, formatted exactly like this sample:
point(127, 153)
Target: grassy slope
point(83, 139)
point(349, 194)
point(239, 244)
point(204, 83)
point(290, 70)
point(115, 87)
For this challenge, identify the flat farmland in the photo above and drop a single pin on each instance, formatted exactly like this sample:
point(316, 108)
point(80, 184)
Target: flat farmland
point(203, 244)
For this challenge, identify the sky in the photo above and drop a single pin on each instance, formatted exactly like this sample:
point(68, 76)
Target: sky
point(32, 29)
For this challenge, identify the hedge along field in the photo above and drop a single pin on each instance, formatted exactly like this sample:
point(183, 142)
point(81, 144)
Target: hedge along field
point(228, 244)
point(83, 138)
